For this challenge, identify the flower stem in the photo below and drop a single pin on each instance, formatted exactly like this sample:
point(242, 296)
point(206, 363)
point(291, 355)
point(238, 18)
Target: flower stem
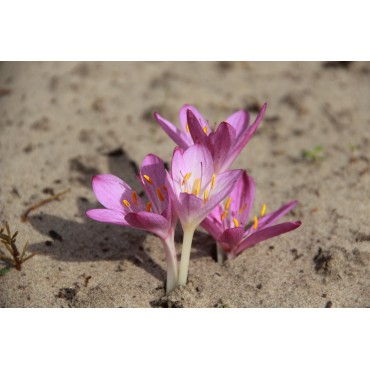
point(185, 254)
point(220, 254)
point(171, 260)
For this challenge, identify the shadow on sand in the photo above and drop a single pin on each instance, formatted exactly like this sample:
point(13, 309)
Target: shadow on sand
point(89, 240)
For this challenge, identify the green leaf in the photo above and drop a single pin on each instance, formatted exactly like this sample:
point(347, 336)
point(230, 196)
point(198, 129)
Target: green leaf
point(4, 271)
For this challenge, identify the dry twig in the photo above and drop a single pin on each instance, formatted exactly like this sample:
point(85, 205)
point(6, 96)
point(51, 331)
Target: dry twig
point(8, 241)
point(24, 216)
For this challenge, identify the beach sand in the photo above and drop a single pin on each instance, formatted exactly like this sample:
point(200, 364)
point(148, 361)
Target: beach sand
point(63, 122)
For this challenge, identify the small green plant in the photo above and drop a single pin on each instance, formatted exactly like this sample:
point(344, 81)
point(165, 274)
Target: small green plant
point(313, 155)
point(16, 258)
point(352, 147)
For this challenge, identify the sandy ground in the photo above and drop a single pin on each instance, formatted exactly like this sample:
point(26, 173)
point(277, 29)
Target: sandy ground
point(61, 123)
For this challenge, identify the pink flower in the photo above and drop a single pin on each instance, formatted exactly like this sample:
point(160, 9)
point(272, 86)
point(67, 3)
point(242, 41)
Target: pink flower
point(124, 207)
point(195, 190)
point(194, 187)
point(229, 223)
point(224, 144)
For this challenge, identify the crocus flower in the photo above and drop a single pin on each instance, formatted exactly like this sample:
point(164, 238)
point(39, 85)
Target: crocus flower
point(195, 190)
point(229, 223)
point(224, 144)
point(124, 207)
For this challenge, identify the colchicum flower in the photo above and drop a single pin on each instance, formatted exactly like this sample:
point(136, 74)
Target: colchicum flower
point(224, 144)
point(124, 207)
point(229, 222)
point(195, 190)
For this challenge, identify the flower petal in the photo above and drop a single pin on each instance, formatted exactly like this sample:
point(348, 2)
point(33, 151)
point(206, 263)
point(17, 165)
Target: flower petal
point(154, 171)
point(221, 142)
point(273, 217)
point(189, 210)
point(239, 120)
point(212, 223)
point(149, 221)
point(267, 233)
point(110, 191)
point(199, 162)
point(230, 238)
point(242, 197)
point(196, 129)
point(173, 132)
point(243, 138)
point(223, 185)
point(196, 160)
point(184, 118)
point(107, 215)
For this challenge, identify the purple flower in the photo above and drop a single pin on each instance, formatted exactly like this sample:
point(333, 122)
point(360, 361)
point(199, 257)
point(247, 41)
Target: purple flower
point(124, 207)
point(229, 223)
point(224, 144)
point(195, 190)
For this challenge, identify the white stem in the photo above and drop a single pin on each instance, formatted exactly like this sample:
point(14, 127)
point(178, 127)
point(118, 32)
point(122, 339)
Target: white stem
point(171, 260)
point(185, 254)
point(220, 254)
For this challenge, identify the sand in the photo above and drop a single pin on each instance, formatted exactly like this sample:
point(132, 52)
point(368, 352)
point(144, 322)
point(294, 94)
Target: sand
point(62, 123)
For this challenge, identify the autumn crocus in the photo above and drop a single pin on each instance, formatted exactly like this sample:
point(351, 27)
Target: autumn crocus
point(224, 144)
point(229, 223)
point(195, 189)
point(124, 207)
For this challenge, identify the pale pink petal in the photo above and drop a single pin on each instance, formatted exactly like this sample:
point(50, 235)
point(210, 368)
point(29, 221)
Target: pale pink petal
point(197, 114)
point(177, 167)
point(149, 221)
point(189, 209)
point(223, 186)
point(198, 161)
point(110, 191)
point(267, 233)
point(177, 160)
point(107, 215)
point(173, 132)
point(239, 120)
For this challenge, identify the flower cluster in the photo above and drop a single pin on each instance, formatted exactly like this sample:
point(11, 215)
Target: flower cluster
point(200, 189)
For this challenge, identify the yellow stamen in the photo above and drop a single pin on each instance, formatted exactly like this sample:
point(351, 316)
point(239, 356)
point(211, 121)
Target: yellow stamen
point(205, 196)
point(236, 222)
point(134, 197)
point(227, 205)
point(213, 181)
point(187, 128)
point(160, 195)
point(205, 129)
point(244, 206)
point(186, 191)
point(126, 203)
point(149, 206)
point(186, 178)
point(263, 210)
point(147, 178)
point(196, 187)
point(255, 223)
point(224, 215)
